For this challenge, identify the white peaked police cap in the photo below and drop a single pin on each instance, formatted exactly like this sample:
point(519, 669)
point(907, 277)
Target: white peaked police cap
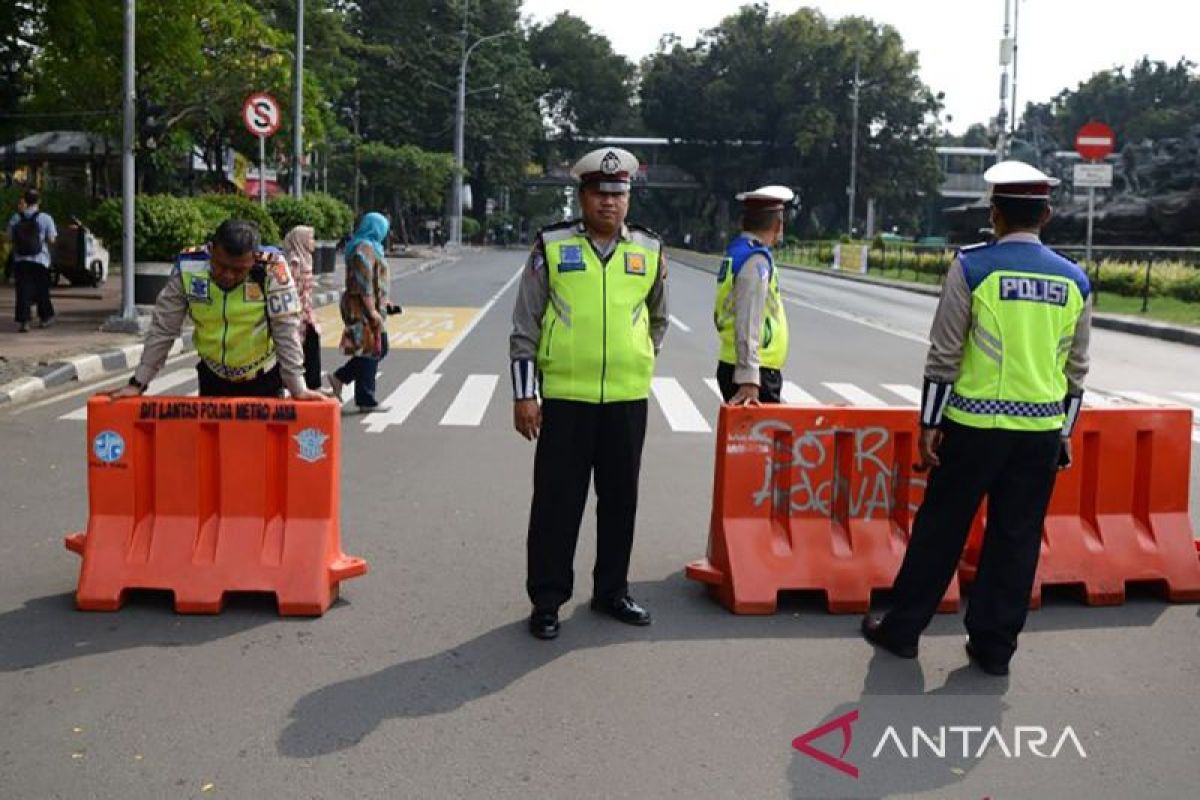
point(768, 197)
point(1018, 179)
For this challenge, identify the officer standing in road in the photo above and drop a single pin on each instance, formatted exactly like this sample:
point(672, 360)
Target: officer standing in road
point(749, 313)
point(589, 319)
point(246, 311)
point(1003, 388)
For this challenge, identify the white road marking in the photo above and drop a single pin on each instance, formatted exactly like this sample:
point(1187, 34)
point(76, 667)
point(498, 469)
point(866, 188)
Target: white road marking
point(879, 326)
point(407, 396)
point(794, 395)
point(433, 366)
point(854, 394)
point(715, 385)
point(910, 393)
point(675, 321)
point(681, 413)
point(158, 386)
point(472, 401)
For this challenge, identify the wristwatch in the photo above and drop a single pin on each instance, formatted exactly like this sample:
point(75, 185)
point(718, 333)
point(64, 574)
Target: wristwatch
point(133, 381)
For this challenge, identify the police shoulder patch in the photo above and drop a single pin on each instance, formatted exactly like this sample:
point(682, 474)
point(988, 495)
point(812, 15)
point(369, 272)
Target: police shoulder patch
point(277, 272)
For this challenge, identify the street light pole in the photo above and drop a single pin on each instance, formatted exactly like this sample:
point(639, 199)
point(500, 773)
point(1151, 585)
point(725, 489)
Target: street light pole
point(460, 124)
point(853, 153)
point(298, 104)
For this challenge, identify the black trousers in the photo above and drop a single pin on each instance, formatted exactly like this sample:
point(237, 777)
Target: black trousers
point(265, 384)
point(581, 442)
point(1015, 470)
point(33, 286)
point(312, 357)
point(770, 383)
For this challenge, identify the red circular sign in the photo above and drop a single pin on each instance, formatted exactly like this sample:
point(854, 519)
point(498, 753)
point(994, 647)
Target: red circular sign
point(1094, 141)
point(262, 114)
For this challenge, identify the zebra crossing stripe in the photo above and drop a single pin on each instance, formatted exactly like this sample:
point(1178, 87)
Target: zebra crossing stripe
point(855, 395)
point(681, 413)
point(1191, 397)
point(158, 386)
point(794, 395)
point(910, 393)
point(1148, 399)
point(471, 402)
point(715, 385)
point(407, 396)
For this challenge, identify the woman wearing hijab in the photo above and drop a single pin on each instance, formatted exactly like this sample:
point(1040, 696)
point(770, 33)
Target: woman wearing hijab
point(364, 309)
point(298, 248)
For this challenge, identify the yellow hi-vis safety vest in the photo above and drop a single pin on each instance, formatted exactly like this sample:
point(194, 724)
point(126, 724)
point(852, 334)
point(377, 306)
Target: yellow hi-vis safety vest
point(595, 345)
point(232, 334)
point(773, 340)
point(1025, 303)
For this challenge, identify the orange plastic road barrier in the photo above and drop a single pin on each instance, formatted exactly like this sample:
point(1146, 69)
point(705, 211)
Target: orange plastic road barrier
point(1120, 513)
point(203, 496)
point(812, 498)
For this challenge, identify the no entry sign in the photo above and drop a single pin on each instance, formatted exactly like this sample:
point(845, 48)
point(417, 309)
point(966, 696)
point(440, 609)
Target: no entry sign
point(262, 114)
point(1095, 141)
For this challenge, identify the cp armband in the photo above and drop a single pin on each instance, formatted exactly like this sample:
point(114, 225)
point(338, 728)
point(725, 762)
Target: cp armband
point(934, 397)
point(524, 377)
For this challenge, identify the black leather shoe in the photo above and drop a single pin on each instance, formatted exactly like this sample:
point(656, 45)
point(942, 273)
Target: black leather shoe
point(990, 666)
point(543, 623)
point(623, 609)
point(872, 631)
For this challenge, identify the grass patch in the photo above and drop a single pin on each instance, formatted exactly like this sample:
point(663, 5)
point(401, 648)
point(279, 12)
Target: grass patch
point(1163, 309)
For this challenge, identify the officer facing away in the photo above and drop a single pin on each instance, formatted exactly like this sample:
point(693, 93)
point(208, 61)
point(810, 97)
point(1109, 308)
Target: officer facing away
point(589, 319)
point(1003, 387)
point(749, 313)
point(246, 312)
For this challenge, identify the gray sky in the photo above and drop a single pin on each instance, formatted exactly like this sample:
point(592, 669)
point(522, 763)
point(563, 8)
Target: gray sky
point(1061, 42)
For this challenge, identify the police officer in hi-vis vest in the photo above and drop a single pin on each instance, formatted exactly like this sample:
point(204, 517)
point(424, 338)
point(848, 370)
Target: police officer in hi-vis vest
point(246, 312)
point(590, 316)
point(1003, 387)
point(748, 312)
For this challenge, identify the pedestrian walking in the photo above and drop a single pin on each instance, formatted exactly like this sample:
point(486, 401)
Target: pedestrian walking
point(32, 232)
point(298, 247)
point(364, 309)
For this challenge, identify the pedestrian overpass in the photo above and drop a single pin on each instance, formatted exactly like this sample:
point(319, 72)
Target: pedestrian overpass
point(961, 167)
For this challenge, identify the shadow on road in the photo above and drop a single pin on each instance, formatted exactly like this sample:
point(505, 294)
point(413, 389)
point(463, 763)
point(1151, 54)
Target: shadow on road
point(49, 629)
point(340, 715)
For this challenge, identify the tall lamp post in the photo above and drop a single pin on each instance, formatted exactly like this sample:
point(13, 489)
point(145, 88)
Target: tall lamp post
point(127, 320)
point(460, 119)
point(298, 104)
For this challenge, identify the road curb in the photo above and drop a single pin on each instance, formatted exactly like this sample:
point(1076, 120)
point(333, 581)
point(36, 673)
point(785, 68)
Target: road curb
point(1117, 322)
point(91, 365)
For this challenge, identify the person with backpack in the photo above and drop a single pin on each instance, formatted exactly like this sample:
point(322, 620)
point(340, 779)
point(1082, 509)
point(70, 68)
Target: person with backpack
point(31, 232)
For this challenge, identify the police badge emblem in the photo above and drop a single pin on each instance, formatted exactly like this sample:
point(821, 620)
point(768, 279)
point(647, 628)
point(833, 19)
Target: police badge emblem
point(311, 443)
point(635, 264)
point(252, 293)
point(610, 164)
point(198, 288)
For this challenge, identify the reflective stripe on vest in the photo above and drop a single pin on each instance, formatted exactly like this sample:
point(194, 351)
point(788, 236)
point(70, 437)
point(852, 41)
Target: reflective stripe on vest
point(232, 334)
point(773, 340)
point(1025, 303)
point(595, 345)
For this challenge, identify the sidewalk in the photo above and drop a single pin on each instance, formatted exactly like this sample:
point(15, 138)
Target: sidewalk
point(75, 349)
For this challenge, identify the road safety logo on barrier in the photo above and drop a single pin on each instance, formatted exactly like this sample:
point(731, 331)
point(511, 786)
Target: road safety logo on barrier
point(108, 446)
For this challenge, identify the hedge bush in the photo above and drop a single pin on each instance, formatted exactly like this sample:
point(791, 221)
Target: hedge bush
point(331, 218)
point(220, 207)
point(163, 225)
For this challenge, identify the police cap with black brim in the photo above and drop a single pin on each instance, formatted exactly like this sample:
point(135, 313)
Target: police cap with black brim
point(609, 169)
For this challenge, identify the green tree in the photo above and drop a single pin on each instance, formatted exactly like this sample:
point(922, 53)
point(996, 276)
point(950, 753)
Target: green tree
point(1150, 100)
point(20, 30)
point(588, 86)
point(765, 97)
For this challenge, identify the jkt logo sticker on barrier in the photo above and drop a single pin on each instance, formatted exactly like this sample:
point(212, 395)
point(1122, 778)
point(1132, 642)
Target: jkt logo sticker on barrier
point(108, 446)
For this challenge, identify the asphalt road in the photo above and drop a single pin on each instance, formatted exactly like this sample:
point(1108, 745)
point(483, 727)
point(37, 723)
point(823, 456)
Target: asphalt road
point(422, 682)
